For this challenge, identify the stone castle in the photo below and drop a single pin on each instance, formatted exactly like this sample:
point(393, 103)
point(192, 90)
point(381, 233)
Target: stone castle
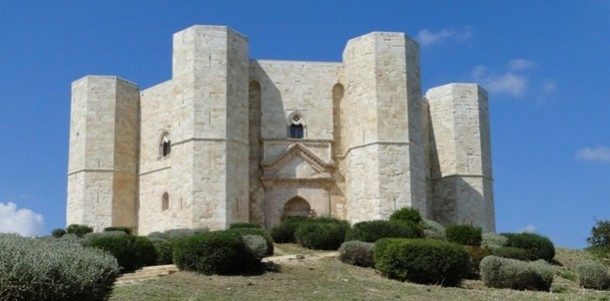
point(230, 139)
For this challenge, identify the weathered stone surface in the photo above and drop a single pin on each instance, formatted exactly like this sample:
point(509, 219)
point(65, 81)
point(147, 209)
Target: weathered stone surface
point(371, 143)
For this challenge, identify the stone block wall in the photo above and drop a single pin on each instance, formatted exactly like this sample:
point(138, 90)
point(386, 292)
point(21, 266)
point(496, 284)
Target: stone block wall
point(383, 134)
point(461, 172)
point(103, 159)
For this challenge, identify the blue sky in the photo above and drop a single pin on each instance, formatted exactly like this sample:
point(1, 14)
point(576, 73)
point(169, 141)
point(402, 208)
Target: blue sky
point(546, 65)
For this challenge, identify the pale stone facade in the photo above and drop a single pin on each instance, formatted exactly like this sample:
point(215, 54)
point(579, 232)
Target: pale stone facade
point(231, 139)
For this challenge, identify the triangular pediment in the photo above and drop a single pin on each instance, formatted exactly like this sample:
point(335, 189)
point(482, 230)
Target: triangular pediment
point(298, 162)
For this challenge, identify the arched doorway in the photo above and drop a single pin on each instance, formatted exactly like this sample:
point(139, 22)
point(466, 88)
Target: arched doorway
point(296, 206)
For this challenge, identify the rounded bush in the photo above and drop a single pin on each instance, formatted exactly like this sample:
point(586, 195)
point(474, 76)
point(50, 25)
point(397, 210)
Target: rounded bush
point(593, 275)
point(257, 231)
point(34, 269)
point(464, 235)
point(79, 230)
point(243, 225)
point(176, 234)
point(493, 240)
point(130, 251)
point(357, 253)
point(321, 233)
point(58, 232)
point(371, 231)
point(284, 232)
point(536, 246)
point(217, 252)
point(256, 245)
point(509, 252)
point(425, 261)
point(406, 214)
point(476, 254)
point(163, 250)
point(514, 274)
point(433, 229)
point(123, 229)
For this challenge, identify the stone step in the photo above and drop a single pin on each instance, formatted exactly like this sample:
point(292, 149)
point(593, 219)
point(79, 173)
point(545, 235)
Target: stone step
point(147, 273)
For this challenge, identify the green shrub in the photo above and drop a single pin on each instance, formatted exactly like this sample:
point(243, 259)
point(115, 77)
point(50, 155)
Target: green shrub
point(163, 250)
point(357, 253)
point(79, 230)
point(433, 229)
point(284, 232)
point(256, 245)
point(493, 240)
point(34, 269)
point(257, 231)
point(123, 229)
point(321, 233)
point(406, 214)
point(176, 234)
point(536, 246)
point(476, 254)
point(131, 252)
point(425, 261)
point(243, 225)
point(464, 235)
point(510, 252)
point(514, 274)
point(217, 252)
point(593, 275)
point(371, 231)
point(58, 232)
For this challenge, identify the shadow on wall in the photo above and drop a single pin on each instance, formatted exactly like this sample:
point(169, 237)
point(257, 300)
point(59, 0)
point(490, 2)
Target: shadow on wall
point(453, 199)
point(263, 95)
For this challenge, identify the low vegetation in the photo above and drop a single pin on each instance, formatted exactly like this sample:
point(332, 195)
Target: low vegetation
point(53, 269)
point(321, 233)
point(515, 274)
point(131, 252)
point(371, 231)
point(593, 275)
point(464, 235)
point(357, 253)
point(423, 261)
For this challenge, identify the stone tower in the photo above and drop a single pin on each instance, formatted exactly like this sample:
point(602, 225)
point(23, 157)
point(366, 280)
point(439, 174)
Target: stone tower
point(204, 111)
point(461, 156)
point(104, 151)
point(383, 132)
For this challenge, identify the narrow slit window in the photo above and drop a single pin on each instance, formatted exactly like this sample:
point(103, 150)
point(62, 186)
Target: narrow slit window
point(166, 146)
point(165, 202)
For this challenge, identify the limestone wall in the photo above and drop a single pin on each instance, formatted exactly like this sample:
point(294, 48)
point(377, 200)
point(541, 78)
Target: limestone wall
point(102, 168)
point(164, 110)
point(383, 135)
point(461, 161)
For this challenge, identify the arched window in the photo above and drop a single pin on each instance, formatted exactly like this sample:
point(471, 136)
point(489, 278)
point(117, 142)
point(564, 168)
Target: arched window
point(296, 128)
point(165, 202)
point(165, 147)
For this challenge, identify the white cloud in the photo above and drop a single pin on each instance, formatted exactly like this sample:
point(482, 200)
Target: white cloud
point(20, 220)
point(520, 64)
point(506, 83)
point(599, 154)
point(528, 229)
point(426, 37)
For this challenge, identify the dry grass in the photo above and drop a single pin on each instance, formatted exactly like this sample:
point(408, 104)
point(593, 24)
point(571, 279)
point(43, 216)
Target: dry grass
point(329, 279)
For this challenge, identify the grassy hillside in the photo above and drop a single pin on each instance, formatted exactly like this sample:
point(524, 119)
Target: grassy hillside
point(330, 279)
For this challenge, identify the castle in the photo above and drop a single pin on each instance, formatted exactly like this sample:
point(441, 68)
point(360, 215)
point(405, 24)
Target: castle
point(230, 139)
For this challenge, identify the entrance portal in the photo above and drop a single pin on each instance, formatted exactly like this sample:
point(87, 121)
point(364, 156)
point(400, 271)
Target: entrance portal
point(297, 206)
